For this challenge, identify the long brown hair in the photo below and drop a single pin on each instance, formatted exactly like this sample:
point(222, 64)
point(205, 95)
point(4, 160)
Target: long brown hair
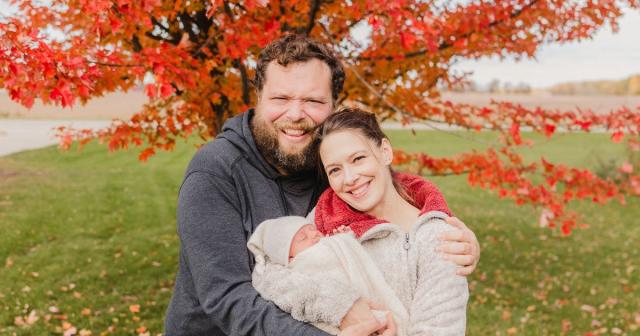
point(349, 118)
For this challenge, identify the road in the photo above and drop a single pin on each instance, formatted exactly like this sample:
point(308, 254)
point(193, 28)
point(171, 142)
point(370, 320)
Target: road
point(17, 135)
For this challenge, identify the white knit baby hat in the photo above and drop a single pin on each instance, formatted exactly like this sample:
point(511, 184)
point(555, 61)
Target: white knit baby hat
point(273, 238)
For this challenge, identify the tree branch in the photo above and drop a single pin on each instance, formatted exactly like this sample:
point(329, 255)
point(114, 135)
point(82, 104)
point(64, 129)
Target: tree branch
point(446, 45)
point(315, 6)
point(246, 99)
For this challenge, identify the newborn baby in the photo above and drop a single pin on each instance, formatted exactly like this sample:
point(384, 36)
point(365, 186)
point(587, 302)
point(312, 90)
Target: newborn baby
point(296, 244)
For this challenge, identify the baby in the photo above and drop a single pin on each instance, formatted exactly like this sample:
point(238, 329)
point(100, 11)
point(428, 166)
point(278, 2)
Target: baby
point(295, 243)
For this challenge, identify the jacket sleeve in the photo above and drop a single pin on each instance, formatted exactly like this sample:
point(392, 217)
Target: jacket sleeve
point(440, 300)
point(305, 298)
point(213, 239)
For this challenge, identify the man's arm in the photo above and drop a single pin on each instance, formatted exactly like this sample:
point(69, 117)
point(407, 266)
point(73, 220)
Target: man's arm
point(213, 239)
point(460, 247)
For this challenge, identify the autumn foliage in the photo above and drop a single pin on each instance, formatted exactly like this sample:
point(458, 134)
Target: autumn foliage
point(200, 57)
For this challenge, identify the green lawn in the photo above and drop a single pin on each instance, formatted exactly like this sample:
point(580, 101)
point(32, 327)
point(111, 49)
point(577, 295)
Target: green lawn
point(88, 240)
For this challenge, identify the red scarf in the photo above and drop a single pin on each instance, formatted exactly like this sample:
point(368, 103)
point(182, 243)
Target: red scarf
point(332, 212)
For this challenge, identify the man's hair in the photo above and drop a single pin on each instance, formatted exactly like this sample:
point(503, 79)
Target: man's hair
point(294, 48)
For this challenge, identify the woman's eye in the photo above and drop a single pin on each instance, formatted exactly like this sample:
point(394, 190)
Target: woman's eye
point(333, 171)
point(358, 158)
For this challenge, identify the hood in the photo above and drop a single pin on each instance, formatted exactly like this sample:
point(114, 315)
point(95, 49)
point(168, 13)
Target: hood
point(237, 131)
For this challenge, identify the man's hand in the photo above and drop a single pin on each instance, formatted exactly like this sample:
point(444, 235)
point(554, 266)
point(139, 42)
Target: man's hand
point(371, 328)
point(360, 313)
point(460, 247)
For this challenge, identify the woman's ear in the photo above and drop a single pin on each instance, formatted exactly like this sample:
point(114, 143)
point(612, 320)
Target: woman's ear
point(387, 151)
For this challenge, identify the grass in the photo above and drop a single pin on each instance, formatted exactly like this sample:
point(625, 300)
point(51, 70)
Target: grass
point(88, 241)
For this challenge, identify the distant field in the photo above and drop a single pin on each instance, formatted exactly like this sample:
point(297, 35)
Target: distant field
point(123, 105)
point(116, 105)
point(599, 104)
point(89, 241)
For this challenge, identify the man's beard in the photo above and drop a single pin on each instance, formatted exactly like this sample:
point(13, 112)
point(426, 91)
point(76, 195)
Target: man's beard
point(266, 138)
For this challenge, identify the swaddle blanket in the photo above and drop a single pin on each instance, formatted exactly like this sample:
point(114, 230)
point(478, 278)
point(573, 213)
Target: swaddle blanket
point(342, 259)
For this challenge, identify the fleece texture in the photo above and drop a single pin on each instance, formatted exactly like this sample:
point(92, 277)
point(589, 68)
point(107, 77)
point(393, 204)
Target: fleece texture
point(339, 259)
point(331, 212)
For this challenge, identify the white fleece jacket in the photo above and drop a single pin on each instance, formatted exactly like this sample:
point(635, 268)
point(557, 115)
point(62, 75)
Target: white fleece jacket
point(426, 284)
point(341, 259)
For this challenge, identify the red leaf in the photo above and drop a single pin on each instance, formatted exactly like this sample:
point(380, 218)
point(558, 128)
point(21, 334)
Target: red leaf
point(151, 90)
point(144, 155)
point(549, 129)
point(407, 39)
point(166, 90)
point(617, 136)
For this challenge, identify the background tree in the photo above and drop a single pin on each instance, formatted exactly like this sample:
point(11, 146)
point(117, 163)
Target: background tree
point(201, 54)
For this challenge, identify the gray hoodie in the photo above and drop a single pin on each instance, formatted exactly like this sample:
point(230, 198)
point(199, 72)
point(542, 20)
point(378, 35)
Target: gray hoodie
point(228, 189)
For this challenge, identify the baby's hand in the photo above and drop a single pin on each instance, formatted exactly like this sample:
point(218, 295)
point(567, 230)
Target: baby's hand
point(341, 229)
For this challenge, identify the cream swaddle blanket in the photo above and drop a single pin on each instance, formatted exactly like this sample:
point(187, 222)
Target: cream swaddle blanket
point(341, 259)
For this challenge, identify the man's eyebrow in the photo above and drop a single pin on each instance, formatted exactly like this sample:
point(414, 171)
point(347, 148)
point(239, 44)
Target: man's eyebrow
point(319, 98)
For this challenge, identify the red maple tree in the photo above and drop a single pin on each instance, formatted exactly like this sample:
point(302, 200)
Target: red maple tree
point(201, 55)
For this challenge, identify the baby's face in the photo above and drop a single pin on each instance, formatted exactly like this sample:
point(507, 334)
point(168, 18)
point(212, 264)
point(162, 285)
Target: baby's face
point(306, 237)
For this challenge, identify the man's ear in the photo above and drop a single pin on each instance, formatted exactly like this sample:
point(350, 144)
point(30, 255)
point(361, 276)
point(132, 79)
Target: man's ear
point(387, 151)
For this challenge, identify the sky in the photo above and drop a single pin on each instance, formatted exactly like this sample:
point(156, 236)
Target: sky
point(607, 56)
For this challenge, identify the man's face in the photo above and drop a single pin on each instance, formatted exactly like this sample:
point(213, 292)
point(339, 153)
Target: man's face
point(293, 101)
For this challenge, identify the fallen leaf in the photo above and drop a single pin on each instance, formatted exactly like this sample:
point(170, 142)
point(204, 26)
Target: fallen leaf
point(86, 311)
point(84, 332)
point(70, 332)
point(566, 325)
point(512, 331)
point(134, 308)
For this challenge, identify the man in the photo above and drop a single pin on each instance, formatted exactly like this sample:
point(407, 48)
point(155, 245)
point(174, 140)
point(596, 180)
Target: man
point(260, 167)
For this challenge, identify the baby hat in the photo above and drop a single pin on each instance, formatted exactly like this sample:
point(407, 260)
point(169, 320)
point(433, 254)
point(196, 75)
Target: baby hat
point(273, 238)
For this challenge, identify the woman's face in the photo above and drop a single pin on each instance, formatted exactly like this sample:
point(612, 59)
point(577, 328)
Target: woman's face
point(357, 168)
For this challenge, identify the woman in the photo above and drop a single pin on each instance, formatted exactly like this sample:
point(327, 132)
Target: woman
point(393, 218)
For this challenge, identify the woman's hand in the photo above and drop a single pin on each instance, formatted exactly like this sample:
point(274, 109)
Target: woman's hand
point(460, 247)
point(371, 327)
point(359, 313)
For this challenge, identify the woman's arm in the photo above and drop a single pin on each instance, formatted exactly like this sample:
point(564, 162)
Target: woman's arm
point(440, 297)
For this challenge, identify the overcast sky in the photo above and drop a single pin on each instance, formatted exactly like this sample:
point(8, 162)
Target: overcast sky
point(606, 56)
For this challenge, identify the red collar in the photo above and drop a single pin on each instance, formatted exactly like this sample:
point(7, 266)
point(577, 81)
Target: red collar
point(332, 212)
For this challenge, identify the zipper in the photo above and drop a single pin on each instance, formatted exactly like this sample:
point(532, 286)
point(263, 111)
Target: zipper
point(406, 241)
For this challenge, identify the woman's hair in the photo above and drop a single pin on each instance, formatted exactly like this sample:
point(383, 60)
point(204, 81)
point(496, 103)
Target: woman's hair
point(355, 119)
